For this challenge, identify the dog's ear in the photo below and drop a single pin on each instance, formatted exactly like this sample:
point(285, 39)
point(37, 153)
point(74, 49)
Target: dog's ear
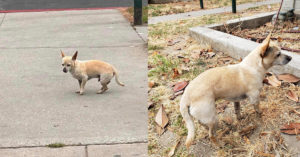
point(62, 54)
point(265, 45)
point(75, 56)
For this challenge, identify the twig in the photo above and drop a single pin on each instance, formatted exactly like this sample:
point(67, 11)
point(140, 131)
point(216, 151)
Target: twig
point(274, 26)
point(289, 49)
point(292, 31)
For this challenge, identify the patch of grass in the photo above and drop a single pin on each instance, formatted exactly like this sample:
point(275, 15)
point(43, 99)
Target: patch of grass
point(163, 65)
point(56, 145)
point(154, 47)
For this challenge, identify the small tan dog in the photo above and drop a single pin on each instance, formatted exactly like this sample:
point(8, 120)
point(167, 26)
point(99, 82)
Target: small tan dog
point(86, 70)
point(232, 82)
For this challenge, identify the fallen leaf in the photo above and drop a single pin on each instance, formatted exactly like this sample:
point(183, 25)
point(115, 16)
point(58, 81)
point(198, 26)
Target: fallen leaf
point(291, 129)
point(247, 130)
point(288, 78)
point(175, 73)
point(186, 60)
point(272, 80)
point(247, 140)
point(161, 117)
point(171, 42)
point(155, 53)
point(279, 39)
point(292, 95)
point(150, 105)
point(211, 54)
point(172, 151)
point(228, 120)
point(160, 130)
point(151, 84)
point(180, 86)
point(176, 94)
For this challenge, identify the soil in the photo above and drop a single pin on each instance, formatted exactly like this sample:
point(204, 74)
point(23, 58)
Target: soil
point(286, 35)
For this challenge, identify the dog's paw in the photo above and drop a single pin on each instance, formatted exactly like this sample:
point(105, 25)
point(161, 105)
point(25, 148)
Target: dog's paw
point(80, 93)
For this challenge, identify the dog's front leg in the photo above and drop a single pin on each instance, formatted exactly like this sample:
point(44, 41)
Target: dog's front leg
point(79, 82)
point(254, 99)
point(237, 108)
point(83, 82)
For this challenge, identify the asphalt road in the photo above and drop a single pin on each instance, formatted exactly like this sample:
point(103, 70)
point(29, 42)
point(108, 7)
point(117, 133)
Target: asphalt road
point(63, 4)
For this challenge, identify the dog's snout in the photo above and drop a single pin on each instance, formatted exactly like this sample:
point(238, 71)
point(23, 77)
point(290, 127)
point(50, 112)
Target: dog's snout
point(289, 58)
point(65, 70)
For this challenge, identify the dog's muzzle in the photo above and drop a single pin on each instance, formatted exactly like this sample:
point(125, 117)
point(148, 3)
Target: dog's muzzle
point(65, 70)
point(287, 59)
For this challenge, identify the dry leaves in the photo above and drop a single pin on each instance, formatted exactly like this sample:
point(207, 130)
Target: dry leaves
point(180, 86)
point(172, 151)
point(288, 78)
point(291, 129)
point(162, 120)
point(272, 80)
point(247, 130)
point(292, 95)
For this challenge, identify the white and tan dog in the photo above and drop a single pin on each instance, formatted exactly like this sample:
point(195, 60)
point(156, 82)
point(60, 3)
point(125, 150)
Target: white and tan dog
point(86, 70)
point(232, 82)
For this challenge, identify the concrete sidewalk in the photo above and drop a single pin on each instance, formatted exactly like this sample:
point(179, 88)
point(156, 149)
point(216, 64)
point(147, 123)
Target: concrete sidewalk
point(38, 103)
point(182, 16)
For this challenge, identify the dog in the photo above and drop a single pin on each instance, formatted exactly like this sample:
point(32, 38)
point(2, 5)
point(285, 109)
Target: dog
point(86, 70)
point(233, 82)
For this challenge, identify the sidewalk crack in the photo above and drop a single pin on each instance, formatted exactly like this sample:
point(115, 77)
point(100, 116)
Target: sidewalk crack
point(2, 19)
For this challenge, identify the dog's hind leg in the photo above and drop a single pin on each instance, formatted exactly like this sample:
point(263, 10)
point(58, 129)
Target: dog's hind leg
point(204, 110)
point(237, 108)
point(105, 80)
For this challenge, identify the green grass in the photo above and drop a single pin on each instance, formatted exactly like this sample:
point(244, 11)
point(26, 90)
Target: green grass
point(163, 65)
point(56, 145)
point(154, 47)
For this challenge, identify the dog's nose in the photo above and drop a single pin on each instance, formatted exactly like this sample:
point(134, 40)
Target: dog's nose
point(289, 58)
point(65, 70)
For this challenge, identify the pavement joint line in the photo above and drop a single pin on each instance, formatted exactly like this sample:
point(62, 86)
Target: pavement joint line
point(2, 19)
point(86, 151)
point(52, 47)
point(138, 33)
point(72, 145)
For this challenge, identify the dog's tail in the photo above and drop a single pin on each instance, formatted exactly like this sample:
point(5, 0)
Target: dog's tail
point(184, 109)
point(116, 74)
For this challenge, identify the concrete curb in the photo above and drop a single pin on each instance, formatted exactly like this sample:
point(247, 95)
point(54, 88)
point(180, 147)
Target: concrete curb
point(238, 47)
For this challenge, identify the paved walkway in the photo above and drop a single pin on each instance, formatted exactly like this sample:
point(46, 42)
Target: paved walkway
point(38, 103)
point(181, 16)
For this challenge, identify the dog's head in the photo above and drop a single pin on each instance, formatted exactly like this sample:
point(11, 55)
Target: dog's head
point(271, 54)
point(68, 62)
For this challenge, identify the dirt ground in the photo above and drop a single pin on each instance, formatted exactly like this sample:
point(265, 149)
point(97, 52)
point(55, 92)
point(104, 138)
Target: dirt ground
point(283, 35)
point(175, 57)
point(193, 5)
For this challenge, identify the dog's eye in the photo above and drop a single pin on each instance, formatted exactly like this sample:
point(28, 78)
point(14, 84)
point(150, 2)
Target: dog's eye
point(68, 65)
point(63, 65)
point(278, 55)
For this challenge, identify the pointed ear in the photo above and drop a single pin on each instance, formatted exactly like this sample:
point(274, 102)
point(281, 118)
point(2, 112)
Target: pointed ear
point(75, 56)
point(265, 45)
point(62, 54)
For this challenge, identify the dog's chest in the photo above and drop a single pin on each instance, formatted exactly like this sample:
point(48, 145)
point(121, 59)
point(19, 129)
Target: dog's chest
point(78, 75)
